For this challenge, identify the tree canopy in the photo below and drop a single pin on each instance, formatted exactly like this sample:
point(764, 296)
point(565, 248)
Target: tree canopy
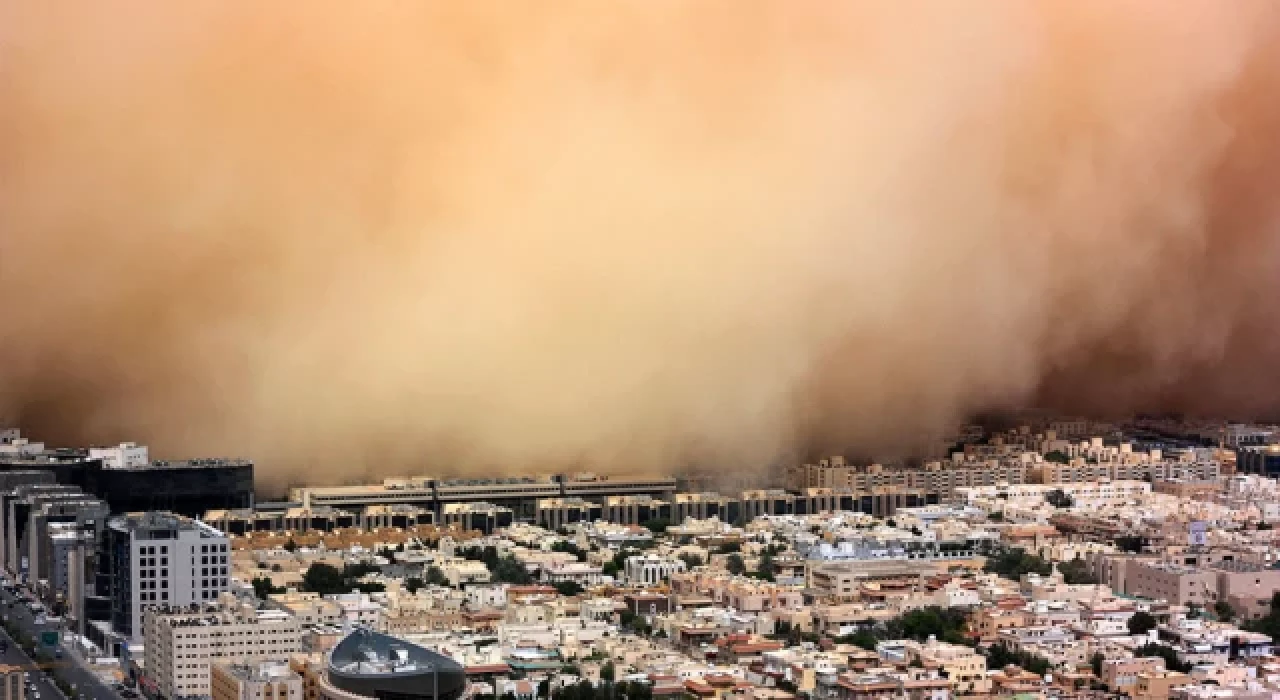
point(1142, 622)
point(1014, 562)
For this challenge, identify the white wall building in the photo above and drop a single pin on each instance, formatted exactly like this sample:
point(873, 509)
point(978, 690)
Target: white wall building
point(162, 559)
point(650, 569)
point(126, 454)
point(180, 645)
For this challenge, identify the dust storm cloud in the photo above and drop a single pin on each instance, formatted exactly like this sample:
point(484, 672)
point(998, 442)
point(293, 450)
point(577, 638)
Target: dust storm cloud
point(367, 238)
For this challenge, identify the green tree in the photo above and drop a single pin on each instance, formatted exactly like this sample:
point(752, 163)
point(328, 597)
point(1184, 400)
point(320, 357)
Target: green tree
point(766, 568)
point(1167, 653)
point(1076, 572)
point(436, 577)
point(1059, 499)
point(413, 583)
point(657, 525)
point(323, 579)
point(607, 672)
point(262, 587)
point(729, 548)
point(1268, 624)
point(1095, 663)
point(569, 548)
point(691, 560)
point(1014, 562)
point(863, 638)
point(735, 564)
point(1142, 622)
point(1223, 610)
point(1057, 456)
point(946, 624)
point(568, 588)
point(1129, 543)
point(1000, 655)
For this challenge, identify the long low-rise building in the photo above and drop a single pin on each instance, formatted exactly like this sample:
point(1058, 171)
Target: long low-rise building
point(520, 494)
point(243, 521)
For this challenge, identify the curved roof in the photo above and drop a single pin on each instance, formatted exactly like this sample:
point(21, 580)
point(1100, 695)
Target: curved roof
point(376, 665)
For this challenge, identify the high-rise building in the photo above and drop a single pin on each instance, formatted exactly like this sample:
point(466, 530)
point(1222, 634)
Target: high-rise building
point(151, 560)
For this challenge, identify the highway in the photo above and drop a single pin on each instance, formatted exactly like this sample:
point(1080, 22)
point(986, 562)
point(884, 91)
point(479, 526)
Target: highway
point(87, 685)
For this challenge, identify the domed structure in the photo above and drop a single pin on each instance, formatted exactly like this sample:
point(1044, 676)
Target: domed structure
point(367, 664)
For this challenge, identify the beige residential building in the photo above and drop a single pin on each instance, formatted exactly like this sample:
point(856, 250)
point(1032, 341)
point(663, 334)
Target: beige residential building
point(1175, 583)
point(180, 645)
point(1121, 675)
point(964, 666)
point(934, 482)
point(268, 680)
point(1156, 685)
point(309, 608)
point(464, 571)
point(987, 623)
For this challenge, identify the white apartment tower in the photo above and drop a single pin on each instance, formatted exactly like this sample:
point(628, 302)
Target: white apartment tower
point(160, 559)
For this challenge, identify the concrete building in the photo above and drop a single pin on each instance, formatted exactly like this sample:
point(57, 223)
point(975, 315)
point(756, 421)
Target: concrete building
point(581, 573)
point(464, 571)
point(964, 666)
point(635, 510)
point(181, 643)
point(371, 665)
point(159, 559)
point(1176, 583)
point(265, 680)
point(485, 517)
point(843, 580)
point(122, 456)
point(651, 569)
point(59, 513)
point(1156, 685)
point(519, 494)
point(555, 513)
point(701, 506)
point(1121, 675)
point(935, 481)
point(1258, 459)
point(758, 502)
point(17, 504)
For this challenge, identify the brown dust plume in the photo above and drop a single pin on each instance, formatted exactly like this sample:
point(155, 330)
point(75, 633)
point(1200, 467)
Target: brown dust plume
point(351, 239)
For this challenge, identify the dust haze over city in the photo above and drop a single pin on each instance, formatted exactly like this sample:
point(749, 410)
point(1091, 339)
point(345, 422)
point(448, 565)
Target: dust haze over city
point(453, 238)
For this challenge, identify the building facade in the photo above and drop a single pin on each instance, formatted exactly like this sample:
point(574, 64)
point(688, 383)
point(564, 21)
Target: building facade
point(153, 560)
point(181, 644)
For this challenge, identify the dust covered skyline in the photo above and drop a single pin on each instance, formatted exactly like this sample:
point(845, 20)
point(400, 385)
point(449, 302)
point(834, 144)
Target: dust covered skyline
point(627, 236)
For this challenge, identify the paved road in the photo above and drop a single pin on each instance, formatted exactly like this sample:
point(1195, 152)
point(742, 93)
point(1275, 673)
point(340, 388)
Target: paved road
point(86, 683)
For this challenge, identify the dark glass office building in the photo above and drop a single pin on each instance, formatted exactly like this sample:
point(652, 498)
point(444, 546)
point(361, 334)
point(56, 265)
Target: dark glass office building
point(188, 487)
point(374, 665)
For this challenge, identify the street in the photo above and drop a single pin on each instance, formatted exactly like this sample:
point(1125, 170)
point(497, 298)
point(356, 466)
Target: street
point(68, 669)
